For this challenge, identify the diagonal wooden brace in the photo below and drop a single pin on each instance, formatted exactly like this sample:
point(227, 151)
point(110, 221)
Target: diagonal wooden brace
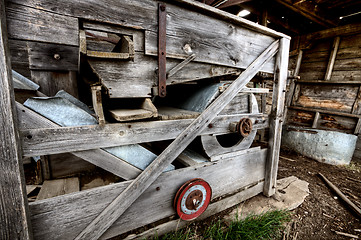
point(121, 203)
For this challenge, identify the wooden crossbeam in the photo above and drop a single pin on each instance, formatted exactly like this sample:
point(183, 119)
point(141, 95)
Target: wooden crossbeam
point(98, 157)
point(122, 202)
point(309, 12)
point(14, 219)
point(46, 141)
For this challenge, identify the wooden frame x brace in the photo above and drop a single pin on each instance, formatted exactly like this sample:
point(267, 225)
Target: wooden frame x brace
point(121, 203)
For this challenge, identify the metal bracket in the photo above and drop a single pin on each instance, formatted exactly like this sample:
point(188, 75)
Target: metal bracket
point(162, 72)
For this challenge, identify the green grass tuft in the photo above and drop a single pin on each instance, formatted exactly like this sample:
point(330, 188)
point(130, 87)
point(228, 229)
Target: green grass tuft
point(269, 225)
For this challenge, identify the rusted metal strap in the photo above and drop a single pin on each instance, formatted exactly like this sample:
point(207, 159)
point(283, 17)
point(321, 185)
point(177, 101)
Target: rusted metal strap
point(162, 72)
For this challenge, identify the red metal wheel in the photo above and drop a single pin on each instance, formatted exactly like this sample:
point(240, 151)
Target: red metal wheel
point(192, 199)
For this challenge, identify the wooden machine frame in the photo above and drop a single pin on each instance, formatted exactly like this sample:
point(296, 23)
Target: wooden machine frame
point(111, 210)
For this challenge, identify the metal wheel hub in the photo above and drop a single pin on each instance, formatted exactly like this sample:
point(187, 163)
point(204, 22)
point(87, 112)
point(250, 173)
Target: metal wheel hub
point(192, 199)
point(244, 127)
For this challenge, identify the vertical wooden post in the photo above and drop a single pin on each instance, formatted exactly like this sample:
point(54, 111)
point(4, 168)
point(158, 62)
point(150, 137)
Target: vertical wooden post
point(331, 61)
point(14, 218)
point(276, 117)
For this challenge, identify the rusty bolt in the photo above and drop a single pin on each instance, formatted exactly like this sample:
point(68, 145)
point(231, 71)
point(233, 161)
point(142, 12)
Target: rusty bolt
point(210, 125)
point(162, 8)
point(57, 56)
point(157, 188)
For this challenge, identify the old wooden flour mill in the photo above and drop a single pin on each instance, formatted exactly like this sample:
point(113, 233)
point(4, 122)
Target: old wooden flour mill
point(171, 114)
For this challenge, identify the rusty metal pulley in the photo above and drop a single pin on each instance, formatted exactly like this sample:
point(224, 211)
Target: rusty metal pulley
point(192, 199)
point(244, 127)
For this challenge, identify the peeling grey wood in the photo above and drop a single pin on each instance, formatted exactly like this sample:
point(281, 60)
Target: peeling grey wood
point(52, 140)
point(65, 216)
point(26, 23)
point(276, 117)
point(14, 212)
point(122, 202)
point(213, 208)
point(98, 157)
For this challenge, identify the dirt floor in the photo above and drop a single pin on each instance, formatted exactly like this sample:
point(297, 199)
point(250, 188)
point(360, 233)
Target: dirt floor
point(322, 213)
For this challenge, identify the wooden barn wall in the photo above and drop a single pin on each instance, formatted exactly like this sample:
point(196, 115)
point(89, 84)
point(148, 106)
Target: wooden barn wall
point(333, 103)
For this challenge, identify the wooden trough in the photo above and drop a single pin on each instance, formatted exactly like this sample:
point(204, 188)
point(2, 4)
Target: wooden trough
point(148, 54)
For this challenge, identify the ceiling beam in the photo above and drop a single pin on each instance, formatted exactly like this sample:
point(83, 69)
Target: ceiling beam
point(308, 39)
point(309, 11)
point(230, 3)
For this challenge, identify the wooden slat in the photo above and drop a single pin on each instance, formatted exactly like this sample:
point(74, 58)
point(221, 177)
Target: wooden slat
point(122, 202)
point(339, 98)
point(331, 61)
point(139, 14)
point(276, 117)
point(326, 111)
point(65, 216)
point(57, 187)
point(14, 218)
point(98, 157)
point(26, 23)
point(71, 139)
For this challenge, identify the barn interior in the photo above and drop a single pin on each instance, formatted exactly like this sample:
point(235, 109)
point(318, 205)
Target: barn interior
point(112, 111)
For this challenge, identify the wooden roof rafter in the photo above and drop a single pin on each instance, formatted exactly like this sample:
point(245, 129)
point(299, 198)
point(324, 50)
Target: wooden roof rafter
point(310, 11)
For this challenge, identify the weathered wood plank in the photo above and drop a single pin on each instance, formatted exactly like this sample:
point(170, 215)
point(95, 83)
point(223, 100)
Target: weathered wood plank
point(169, 113)
point(71, 139)
point(276, 117)
point(57, 187)
point(122, 202)
point(27, 23)
point(139, 14)
point(328, 97)
point(216, 207)
point(325, 111)
point(48, 56)
point(234, 47)
point(65, 216)
point(14, 212)
point(98, 157)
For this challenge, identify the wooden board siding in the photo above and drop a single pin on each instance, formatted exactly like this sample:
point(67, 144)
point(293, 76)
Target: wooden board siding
point(65, 216)
point(347, 65)
point(338, 98)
